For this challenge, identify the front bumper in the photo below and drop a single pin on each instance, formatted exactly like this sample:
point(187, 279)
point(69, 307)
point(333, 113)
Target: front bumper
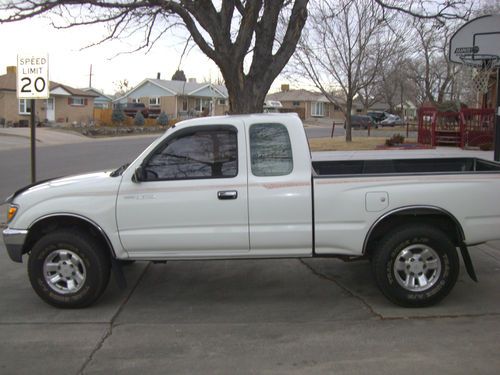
point(14, 241)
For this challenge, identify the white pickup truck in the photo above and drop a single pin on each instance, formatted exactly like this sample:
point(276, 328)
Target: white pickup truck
point(240, 187)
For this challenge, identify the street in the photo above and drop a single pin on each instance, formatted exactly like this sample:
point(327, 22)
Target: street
point(291, 316)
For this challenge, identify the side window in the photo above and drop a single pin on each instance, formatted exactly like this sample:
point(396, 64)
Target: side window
point(271, 150)
point(200, 154)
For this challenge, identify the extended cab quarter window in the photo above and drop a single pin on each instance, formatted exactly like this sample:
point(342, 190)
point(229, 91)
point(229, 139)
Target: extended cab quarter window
point(271, 150)
point(197, 154)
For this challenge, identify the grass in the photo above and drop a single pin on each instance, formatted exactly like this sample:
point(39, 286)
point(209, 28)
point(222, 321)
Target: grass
point(339, 143)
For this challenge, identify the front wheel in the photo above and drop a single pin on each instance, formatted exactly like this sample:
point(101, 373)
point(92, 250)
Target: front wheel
point(415, 266)
point(68, 269)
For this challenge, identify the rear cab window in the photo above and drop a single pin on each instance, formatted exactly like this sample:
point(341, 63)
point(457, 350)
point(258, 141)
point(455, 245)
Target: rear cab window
point(270, 150)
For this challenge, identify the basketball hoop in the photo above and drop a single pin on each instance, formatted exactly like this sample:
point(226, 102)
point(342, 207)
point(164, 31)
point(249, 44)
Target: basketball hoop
point(482, 66)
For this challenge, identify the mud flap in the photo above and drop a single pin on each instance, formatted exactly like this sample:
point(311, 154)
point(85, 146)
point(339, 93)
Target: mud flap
point(118, 275)
point(468, 261)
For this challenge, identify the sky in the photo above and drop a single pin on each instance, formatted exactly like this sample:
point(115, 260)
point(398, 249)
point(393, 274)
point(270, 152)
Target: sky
point(69, 64)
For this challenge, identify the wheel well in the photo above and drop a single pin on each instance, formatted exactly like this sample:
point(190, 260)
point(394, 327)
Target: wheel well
point(52, 223)
point(430, 216)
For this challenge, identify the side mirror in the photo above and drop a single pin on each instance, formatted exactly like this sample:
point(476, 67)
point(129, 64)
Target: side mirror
point(139, 174)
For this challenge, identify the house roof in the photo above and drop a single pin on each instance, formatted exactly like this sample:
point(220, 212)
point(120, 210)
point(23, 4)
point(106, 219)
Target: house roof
point(300, 95)
point(8, 83)
point(92, 90)
point(377, 106)
point(180, 88)
point(71, 90)
point(188, 88)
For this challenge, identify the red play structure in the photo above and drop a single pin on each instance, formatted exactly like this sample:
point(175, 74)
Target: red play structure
point(467, 127)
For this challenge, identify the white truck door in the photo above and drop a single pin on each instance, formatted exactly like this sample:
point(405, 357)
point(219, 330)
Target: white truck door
point(279, 189)
point(192, 197)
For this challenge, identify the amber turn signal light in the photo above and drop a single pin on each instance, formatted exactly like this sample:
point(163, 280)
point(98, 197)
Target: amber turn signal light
point(11, 213)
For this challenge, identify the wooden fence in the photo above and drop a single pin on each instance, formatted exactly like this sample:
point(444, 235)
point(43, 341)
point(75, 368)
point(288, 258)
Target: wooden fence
point(103, 117)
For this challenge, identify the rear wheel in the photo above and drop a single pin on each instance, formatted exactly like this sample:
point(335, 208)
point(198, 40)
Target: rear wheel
point(68, 270)
point(415, 266)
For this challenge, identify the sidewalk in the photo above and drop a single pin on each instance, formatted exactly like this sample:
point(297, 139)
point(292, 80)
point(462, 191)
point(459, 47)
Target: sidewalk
point(11, 138)
point(20, 137)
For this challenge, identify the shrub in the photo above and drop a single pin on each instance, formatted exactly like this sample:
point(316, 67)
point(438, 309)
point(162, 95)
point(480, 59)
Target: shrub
point(162, 119)
point(396, 139)
point(118, 116)
point(139, 119)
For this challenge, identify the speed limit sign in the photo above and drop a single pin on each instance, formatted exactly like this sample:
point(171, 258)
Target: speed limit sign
point(33, 76)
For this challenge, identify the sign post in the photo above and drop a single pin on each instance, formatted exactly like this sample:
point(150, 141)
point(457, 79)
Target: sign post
point(32, 83)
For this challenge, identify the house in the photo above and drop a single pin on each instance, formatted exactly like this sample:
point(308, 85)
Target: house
point(409, 110)
point(101, 101)
point(179, 99)
point(359, 109)
point(66, 105)
point(308, 104)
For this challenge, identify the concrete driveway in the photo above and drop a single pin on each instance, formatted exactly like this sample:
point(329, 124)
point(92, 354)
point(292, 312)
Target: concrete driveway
point(263, 316)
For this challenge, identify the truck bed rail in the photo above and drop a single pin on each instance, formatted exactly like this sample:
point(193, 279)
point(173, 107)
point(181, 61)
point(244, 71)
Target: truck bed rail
point(404, 166)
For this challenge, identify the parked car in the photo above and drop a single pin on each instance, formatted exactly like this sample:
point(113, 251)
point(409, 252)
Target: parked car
point(243, 187)
point(131, 109)
point(377, 116)
point(391, 120)
point(361, 122)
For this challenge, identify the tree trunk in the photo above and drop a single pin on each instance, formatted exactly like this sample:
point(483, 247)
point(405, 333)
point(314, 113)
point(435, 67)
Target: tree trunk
point(348, 109)
point(248, 97)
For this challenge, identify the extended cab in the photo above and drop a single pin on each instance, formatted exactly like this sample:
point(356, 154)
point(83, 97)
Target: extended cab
point(245, 187)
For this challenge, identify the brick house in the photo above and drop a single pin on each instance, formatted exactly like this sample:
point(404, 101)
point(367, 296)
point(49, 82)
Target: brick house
point(66, 105)
point(179, 99)
point(308, 104)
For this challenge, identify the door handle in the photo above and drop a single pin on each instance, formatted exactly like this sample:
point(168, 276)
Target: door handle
point(228, 194)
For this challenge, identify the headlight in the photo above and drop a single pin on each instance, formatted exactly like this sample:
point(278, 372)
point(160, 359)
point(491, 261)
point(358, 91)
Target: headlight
point(11, 213)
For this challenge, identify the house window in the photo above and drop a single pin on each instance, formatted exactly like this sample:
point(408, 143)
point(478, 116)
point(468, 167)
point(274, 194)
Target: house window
point(135, 100)
point(24, 106)
point(185, 105)
point(77, 101)
point(154, 101)
point(336, 107)
point(296, 104)
point(222, 101)
point(318, 109)
point(202, 104)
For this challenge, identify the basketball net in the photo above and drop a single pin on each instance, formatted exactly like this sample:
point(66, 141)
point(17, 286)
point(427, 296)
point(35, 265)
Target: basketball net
point(481, 67)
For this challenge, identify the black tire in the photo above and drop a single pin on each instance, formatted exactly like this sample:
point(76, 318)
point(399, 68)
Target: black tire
point(68, 248)
point(415, 265)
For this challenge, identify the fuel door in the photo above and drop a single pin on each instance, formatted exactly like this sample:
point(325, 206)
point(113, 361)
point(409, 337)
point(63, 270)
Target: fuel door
point(376, 201)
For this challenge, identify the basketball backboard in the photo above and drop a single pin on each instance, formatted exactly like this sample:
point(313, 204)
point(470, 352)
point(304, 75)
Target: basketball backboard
point(476, 41)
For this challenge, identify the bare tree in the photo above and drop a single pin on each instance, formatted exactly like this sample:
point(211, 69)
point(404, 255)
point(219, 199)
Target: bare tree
point(432, 72)
point(344, 46)
point(390, 81)
point(121, 87)
point(369, 95)
point(179, 76)
point(238, 35)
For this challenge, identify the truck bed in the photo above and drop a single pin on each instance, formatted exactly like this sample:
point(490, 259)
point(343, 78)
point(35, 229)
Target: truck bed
point(404, 166)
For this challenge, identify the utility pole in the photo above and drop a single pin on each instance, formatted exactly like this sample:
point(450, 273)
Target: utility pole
point(90, 76)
